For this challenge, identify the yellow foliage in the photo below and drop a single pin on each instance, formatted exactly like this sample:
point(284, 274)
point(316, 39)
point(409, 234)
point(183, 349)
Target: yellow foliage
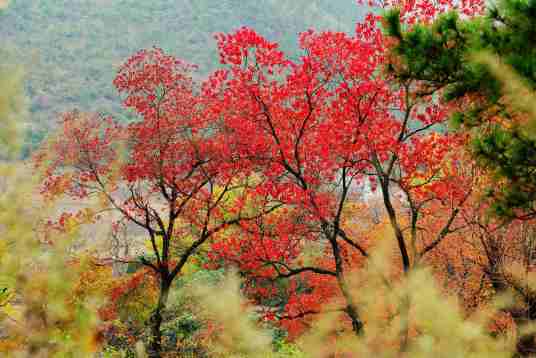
point(13, 108)
point(37, 319)
point(238, 336)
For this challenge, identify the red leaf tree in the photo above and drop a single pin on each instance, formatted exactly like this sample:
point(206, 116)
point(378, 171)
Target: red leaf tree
point(320, 130)
point(162, 172)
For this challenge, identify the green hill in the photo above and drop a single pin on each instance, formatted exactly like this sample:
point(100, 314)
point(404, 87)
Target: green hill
point(72, 48)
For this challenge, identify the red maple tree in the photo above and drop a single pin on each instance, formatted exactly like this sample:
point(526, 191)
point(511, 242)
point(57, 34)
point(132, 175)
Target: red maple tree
point(162, 172)
point(318, 130)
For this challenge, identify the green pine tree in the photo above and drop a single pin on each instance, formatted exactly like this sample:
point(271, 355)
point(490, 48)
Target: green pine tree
point(490, 60)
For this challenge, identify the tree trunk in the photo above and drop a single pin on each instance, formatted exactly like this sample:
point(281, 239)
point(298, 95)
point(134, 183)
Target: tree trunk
point(351, 310)
point(406, 265)
point(154, 346)
point(404, 321)
point(395, 225)
point(357, 324)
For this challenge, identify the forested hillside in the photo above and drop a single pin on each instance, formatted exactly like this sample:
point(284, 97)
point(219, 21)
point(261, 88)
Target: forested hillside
point(72, 48)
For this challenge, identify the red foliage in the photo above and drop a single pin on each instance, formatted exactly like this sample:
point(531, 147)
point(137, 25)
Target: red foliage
point(310, 134)
point(424, 11)
point(317, 130)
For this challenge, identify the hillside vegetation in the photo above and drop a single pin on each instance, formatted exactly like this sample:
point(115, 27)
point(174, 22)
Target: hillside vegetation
point(72, 48)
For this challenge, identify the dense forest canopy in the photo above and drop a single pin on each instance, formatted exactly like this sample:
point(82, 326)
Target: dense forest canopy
point(73, 48)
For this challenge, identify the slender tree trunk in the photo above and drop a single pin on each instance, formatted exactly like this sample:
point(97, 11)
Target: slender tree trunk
point(404, 322)
point(351, 309)
point(357, 324)
point(154, 346)
point(395, 225)
point(406, 265)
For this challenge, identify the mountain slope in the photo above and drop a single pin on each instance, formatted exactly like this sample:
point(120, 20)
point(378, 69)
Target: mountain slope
point(71, 48)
